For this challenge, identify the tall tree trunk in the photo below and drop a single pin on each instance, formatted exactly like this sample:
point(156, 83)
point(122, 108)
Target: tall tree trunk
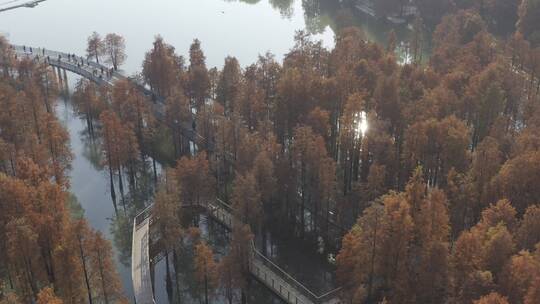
point(168, 278)
point(154, 167)
point(121, 186)
point(113, 193)
point(177, 283)
point(372, 259)
point(206, 289)
point(85, 271)
point(105, 295)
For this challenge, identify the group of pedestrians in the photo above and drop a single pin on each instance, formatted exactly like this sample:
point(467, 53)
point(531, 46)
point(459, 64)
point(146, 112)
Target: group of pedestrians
point(101, 72)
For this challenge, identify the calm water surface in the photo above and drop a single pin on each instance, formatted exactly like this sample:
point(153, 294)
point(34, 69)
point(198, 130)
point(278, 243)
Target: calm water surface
point(240, 28)
point(224, 27)
point(90, 183)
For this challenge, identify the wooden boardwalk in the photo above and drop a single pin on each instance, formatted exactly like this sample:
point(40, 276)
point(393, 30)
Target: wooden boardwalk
point(140, 264)
point(140, 259)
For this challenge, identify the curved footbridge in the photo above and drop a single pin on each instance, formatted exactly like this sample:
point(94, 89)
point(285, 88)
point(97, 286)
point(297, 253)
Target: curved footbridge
point(262, 268)
point(105, 76)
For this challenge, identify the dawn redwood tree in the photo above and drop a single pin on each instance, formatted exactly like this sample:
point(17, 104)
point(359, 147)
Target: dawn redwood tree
point(516, 180)
point(437, 146)
point(241, 244)
point(500, 212)
point(228, 85)
point(308, 154)
point(383, 233)
point(177, 112)
point(246, 200)
point(350, 140)
point(95, 46)
point(104, 274)
point(167, 213)
point(250, 100)
point(528, 233)
point(22, 253)
point(120, 149)
point(194, 180)
point(162, 68)
point(88, 103)
point(519, 275)
point(534, 292)
point(492, 298)
point(47, 296)
point(138, 122)
point(432, 241)
point(198, 84)
point(208, 121)
point(348, 274)
point(82, 237)
point(57, 139)
point(205, 269)
point(229, 277)
point(263, 172)
point(267, 76)
point(69, 271)
point(114, 47)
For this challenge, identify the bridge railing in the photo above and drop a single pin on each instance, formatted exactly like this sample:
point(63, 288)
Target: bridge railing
point(299, 292)
point(278, 279)
point(287, 278)
point(143, 215)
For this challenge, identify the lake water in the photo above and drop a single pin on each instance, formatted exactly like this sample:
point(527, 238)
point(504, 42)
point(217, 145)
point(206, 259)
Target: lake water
point(240, 28)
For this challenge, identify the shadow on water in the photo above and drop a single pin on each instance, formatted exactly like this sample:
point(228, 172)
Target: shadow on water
point(217, 237)
point(300, 259)
point(297, 258)
point(89, 184)
point(89, 181)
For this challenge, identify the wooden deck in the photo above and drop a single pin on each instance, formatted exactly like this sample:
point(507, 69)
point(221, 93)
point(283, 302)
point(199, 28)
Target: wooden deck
point(140, 260)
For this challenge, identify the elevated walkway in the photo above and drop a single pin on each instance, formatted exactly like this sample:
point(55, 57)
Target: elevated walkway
point(140, 259)
point(263, 269)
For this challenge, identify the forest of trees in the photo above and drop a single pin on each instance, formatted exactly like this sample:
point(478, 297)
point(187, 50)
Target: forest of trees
point(439, 190)
point(421, 177)
point(48, 254)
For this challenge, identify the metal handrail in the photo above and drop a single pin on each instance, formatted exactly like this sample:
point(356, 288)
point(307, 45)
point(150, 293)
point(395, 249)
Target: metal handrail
point(143, 215)
point(291, 280)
